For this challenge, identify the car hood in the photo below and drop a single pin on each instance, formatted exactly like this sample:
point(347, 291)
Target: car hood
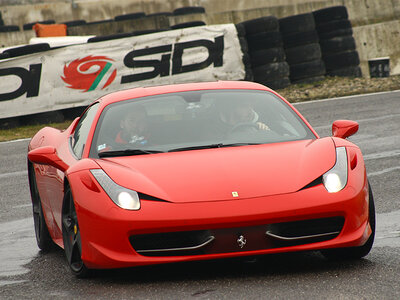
point(224, 173)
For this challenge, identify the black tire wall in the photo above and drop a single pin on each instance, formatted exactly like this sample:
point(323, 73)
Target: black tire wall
point(338, 46)
point(266, 53)
point(302, 49)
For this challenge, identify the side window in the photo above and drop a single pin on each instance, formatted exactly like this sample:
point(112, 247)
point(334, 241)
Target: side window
point(82, 130)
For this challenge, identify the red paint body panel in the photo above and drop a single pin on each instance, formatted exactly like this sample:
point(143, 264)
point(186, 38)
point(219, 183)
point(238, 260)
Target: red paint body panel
point(192, 190)
point(212, 175)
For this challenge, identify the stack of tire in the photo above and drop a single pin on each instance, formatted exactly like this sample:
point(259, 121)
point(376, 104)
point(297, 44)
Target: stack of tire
point(302, 49)
point(337, 43)
point(265, 48)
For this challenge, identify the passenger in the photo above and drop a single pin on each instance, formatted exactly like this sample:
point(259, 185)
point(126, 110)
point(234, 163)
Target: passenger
point(133, 127)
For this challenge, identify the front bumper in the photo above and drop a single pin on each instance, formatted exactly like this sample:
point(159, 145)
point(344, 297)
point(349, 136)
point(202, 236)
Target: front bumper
point(109, 234)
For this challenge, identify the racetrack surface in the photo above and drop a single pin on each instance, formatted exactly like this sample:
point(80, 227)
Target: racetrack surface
point(27, 273)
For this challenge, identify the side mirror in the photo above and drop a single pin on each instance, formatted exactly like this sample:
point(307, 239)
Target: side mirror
point(344, 128)
point(47, 156)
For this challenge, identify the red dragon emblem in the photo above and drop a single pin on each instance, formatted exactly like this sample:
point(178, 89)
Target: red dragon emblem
point(87, 73)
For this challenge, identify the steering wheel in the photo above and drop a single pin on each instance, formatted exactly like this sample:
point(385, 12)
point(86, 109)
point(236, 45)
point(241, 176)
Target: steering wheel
point(244, 126)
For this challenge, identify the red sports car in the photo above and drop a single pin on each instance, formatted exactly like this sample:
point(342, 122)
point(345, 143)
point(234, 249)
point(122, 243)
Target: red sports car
point(193, 172)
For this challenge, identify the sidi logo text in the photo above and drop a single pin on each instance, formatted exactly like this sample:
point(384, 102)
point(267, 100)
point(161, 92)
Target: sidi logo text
point(171, 55)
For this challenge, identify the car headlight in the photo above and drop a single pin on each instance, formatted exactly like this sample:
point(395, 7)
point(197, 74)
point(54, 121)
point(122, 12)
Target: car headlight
point(336, 178)
point(123, 197)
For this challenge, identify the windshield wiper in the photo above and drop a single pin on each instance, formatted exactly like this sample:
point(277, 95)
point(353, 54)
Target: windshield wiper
point(210, 146)
point(127, 152)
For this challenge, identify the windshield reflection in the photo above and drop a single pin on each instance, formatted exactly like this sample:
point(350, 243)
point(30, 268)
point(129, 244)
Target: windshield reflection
point(195, 120)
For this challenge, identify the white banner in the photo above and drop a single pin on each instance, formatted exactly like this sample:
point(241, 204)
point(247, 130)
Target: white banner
point(76, 75)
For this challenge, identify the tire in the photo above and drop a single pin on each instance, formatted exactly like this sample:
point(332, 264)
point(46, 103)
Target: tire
point(71, 236)
point(306, 70)
point(333, 26)
point(361, 251)
point(43, 238)
point(336, 33)
point(189, 10)
point(132, 16)
point(109, 37)
point(147, 31)
point(101, 22)
point(338, 44)
point(276, 84)
point(241, 31)
point(271, 71)
point(187, 25)
point(9, 28)
point(28, 49)
point(263, 24)
point(297, 23)
point(352, 71)
point(341, 60)
point(330, 14)
point(264, 40)
point(303, 53)
point(300, 38)
point(4, 55)
point(75, 23)
point(244, 46)
point(266, 56)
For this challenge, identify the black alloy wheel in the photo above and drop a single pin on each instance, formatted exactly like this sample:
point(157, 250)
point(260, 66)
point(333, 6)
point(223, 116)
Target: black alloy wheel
point(42, 234)
point(72, 237)
point(360, 251)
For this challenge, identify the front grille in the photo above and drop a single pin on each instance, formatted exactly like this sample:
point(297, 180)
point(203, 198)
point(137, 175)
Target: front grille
point(172, 243)
point(304, 232)
point(226, 240)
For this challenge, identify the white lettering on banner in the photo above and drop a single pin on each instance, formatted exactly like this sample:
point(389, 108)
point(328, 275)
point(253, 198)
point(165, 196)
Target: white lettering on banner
point(76, 75)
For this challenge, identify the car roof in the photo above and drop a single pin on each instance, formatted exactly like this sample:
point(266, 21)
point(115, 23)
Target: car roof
point(173, 88)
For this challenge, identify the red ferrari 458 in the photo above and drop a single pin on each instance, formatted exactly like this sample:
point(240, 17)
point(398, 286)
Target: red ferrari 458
point(193, 172)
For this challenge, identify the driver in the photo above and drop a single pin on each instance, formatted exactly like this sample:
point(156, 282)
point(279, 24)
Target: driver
point(242, 113)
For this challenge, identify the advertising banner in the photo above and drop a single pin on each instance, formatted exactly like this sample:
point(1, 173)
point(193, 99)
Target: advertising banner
point(77, 75)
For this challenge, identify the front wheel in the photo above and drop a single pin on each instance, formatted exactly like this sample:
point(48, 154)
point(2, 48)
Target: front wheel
point(360, 251)
point(72, 237)
point(43, 238)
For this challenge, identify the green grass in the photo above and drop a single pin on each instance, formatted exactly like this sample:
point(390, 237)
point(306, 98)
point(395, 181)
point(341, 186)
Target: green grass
point(28, 131)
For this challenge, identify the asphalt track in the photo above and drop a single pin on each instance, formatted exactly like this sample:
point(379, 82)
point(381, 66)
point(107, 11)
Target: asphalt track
point(27, 273)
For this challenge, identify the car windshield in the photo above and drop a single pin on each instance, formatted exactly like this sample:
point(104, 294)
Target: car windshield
point(195, 120)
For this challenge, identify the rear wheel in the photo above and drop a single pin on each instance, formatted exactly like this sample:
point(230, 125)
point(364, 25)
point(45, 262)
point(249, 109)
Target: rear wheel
point(72, 237)
point(356, 252)
point(42, 234)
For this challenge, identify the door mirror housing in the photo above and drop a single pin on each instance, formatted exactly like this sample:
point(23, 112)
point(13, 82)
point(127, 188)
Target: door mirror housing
point(47, 155)
point(344, 128)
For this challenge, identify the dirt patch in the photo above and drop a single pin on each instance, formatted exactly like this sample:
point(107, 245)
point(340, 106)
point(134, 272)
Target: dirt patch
point(338, 87)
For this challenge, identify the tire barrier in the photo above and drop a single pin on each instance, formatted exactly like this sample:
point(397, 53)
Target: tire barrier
point(27, 49)
point(266, 53)
point(131, 16)
point(337, 43)
point(302, 48)
point(102, 38)
point(187, 10)
point(9, 28)
point(75, 23)
point(188, 24)
point(100, 22)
